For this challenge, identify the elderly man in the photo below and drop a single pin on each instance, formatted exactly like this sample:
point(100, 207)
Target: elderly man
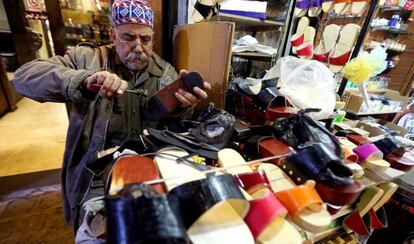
point(94, 80)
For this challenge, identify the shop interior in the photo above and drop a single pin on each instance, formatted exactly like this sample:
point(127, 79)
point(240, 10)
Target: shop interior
point(333, 79)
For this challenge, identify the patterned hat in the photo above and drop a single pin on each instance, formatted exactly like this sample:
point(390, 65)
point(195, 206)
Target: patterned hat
point(132, 12)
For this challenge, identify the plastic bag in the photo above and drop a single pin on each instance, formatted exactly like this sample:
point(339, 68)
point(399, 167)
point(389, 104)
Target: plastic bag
point(306, 84)
point(299, 129)
point(250, 44)
point(214, 126)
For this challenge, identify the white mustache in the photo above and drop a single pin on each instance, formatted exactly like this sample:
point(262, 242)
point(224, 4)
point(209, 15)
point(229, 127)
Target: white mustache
point(132, 57)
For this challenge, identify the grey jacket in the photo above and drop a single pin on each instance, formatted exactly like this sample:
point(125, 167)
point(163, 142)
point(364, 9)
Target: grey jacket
point(58, 79)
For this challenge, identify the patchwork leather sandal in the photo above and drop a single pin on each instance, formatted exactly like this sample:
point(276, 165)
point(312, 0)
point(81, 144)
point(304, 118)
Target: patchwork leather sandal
point(304, 205)
point(138, 214)
point(371, 157)
point(337, 189)
point(131, 169)
point(320, 164)
point(266, 220)
point(176, 164)
point(404, 162)
point(371, 202)
point(265, 106)
point(212, 210)
point(259, 146)
point(253, 181)
point(204, 10)
point(388, 145)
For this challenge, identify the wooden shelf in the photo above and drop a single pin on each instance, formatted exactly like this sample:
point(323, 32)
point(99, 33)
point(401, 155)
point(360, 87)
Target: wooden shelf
point(333, 15)
point(367, 47)
point(392, 8)
point(372, 113)
point(390, 30)
point(255, 56)
point(370, 90)
point(247, 21)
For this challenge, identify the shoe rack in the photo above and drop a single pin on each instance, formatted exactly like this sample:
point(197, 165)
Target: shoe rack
point(344, 18)
point(272, 31)
point(392, 29)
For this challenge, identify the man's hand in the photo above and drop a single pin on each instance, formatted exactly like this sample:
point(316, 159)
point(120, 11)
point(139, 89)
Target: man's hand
point(105, 84)
point(187, 99)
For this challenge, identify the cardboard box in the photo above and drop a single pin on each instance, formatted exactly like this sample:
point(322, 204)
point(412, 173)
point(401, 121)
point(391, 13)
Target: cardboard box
point(354, 101)
point(361, 128)
point(206, 48)
point(401, 130)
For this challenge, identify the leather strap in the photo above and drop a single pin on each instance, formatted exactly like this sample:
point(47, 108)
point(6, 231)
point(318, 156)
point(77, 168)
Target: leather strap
point(357, 139)
point(404, 163)
point(272, 147)
point(262, 211)
point(251, 148)
point(323, 58)
point(342, 59)
point(297, 40)
point(379, 218)
point(339, 195)
point(342, 1)
point(350, 155)
point(298, 198)
point(140, 215)
point(303, 4)
point(133, 169)
point(305, 161)
point(294, 173)
point(361, 225)
point(264, 99)
point(387, 146)
point(196, 197)
point(367, 152)
point(203, 9)
point(253, 181)
point(346, 143)
point(306, 51)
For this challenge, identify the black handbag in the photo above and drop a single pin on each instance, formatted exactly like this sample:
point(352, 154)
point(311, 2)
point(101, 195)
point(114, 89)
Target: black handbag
point(299, 129)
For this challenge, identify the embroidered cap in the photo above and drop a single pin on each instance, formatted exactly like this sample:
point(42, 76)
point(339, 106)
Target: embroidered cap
point(132, 12)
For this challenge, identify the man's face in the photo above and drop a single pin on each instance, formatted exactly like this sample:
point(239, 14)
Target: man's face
point(133, 44)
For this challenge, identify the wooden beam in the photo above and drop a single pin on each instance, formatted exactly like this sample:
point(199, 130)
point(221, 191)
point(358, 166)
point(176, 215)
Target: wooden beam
point(18, 23)
point(56, 25)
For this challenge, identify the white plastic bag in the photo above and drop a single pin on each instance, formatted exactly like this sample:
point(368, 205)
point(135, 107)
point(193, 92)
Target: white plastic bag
point(250, 44)
point(306, 84)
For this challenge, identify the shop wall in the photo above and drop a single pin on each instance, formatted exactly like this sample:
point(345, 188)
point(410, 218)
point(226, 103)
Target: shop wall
point(402, 74)
point(156, 6)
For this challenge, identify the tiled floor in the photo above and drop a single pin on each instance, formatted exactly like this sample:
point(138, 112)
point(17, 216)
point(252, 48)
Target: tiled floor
point(32, 138)
point(34, 216)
